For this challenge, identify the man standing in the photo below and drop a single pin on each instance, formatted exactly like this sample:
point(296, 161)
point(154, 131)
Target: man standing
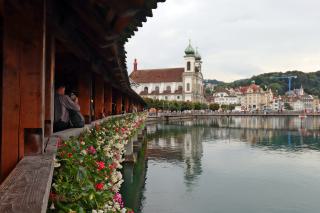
point(63, 107)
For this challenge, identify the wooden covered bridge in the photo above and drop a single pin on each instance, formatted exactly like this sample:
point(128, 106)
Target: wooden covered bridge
point(76, 42)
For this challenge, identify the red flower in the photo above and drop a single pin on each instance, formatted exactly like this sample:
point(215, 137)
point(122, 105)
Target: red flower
point(53, 196)
point(100, 165)
point(111, 167)
point(99, 186)
point(69, 155)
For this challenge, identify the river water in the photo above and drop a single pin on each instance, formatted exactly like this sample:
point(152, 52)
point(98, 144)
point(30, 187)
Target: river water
point(227, 165)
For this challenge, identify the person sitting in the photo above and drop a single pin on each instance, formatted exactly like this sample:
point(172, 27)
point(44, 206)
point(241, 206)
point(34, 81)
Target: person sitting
point(66, 111)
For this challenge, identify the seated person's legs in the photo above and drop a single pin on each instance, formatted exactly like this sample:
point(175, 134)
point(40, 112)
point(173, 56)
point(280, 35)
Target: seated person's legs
point(59, 126)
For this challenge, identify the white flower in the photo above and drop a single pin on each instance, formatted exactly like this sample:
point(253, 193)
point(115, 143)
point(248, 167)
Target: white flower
point(52, 206)
point(84, 152)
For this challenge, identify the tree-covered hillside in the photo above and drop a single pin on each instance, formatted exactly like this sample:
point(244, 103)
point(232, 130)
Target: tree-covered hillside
point(213, 81)
point(309, 81)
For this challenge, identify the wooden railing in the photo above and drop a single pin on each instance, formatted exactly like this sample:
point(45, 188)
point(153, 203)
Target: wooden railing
point(27, 187)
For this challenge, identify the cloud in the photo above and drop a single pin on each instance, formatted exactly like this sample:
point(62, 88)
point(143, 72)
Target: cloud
point(237, 39)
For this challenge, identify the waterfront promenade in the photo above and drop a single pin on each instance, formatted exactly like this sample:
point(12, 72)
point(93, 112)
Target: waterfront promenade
point(168, 116)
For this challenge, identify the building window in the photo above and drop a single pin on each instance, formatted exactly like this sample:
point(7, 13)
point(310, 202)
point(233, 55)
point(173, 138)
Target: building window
point(145, 89)
point(157, 89)
point(188, 86)
point(188, 65)
point(168, 88)
point(178, 97)
point(166, 97)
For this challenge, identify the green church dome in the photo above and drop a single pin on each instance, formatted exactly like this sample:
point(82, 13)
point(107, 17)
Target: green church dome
point(189, 50)
point(197, 55)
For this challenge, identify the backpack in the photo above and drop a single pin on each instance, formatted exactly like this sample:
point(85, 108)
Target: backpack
point(76, 119)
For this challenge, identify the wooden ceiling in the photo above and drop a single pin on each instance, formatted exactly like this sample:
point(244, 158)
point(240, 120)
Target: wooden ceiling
point(97, 30)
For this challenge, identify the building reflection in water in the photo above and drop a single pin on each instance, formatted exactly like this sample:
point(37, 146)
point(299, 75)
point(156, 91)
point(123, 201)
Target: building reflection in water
point(182, 146)
point(181, 143)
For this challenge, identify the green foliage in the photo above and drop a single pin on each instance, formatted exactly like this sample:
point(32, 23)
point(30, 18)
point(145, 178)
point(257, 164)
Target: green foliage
point(174, 105)
point(214, 107)
point(213, 81)
point(228, 107)
point(287, 106)
point(208, 91)
point(309, 81)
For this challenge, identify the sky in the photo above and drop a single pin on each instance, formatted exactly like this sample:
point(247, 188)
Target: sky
point(236, 38)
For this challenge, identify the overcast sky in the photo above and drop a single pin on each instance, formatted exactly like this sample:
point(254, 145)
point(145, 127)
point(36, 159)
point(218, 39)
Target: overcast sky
point(236, 38)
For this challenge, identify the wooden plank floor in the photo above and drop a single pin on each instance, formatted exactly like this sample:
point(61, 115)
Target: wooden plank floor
point(27, 187)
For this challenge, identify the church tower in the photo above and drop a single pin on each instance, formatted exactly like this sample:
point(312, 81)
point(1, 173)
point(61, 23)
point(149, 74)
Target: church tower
point(189, 58)
point(192, 76)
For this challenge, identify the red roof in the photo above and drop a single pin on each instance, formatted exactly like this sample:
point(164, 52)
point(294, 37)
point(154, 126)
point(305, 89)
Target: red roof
point(157, 75)
point(253, 87)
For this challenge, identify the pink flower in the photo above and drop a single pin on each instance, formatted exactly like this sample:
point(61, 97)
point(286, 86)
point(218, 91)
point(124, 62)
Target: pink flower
point(99, 186)
point(113, 166)
point(60, 143)
point(100, 165)
point(118, 198)
point(91, 150)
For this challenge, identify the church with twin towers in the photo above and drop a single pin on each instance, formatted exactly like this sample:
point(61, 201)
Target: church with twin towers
point(179, 84)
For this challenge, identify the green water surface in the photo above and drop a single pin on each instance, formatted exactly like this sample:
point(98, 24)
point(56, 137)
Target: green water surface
point(227, 165)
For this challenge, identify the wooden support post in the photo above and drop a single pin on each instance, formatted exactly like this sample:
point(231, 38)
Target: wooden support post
point(118, 102)
point(85, 89)
point(23, 81)
point(49, 86)
point(107, 99)
point(99, 97)
point(126, 103)
point(123, 102)
point(130, 105)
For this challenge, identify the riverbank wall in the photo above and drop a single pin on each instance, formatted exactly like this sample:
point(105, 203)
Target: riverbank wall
point(181, 116)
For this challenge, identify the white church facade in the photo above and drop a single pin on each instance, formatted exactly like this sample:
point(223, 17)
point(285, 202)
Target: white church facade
point(180, 84)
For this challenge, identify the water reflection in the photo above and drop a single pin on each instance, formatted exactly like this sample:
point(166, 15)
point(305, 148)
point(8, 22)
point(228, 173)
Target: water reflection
point(180, 151)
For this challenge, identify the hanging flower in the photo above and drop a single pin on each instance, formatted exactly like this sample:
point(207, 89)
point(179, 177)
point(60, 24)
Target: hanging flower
point(60, 143)
point(100, 165)
point(118, 198)
point(84, 152)
point(91, 150)
point(99, 186)
point(105, 169)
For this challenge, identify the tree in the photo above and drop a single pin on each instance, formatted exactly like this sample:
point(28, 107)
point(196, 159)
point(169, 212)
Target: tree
point(287, 106)
point(214, 107)
point(185, 105)
point(208, 91)
point(196, 106)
